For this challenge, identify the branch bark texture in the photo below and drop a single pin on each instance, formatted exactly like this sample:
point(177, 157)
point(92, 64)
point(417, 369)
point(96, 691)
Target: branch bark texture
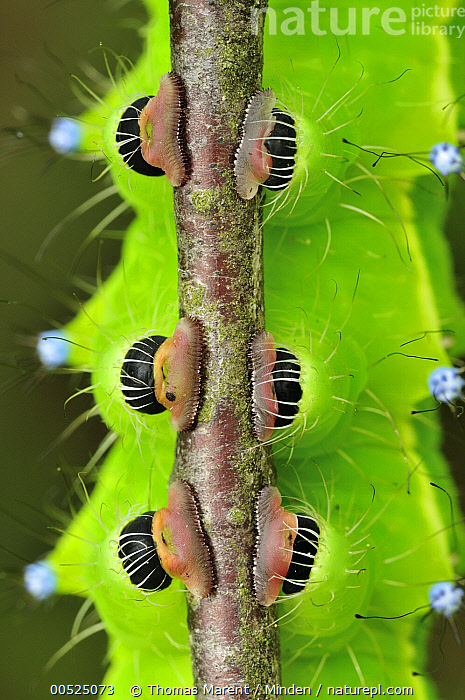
point(233, 639)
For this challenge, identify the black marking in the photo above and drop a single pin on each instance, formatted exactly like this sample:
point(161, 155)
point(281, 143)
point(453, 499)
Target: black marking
point(281, 144)
point(138, 552)
point(286, 378)
point(137, 375)
point(303, 556)
point(128, 136)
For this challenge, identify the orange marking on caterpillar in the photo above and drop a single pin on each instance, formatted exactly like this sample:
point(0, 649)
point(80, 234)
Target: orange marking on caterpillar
point(177, 366)
point(161, 130)
point(253, 161)
point(180, 541)
point(277, 530)
point(265, 404)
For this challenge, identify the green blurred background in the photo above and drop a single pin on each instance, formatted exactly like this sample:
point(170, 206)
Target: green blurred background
point(42, 44)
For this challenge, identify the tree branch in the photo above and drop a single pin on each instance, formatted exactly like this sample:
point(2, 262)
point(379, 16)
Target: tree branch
point(219, 58)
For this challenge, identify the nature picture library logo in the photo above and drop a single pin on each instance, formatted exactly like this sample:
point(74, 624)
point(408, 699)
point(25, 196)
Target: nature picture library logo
point(419, 20)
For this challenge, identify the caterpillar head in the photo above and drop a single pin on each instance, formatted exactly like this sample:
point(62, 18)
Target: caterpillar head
point(108, 553)
point(298, 389)
point(177, 367)
point(143, 139)
point(133, 593)
point(155, 374)
point(149, 133)
point(281, 548)
point(290, 154)
point(266, 155)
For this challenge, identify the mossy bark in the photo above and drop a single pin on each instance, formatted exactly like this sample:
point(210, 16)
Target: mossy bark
point(219, 58)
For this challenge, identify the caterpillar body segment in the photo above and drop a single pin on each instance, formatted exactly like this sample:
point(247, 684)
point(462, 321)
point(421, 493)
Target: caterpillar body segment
point(86, 560)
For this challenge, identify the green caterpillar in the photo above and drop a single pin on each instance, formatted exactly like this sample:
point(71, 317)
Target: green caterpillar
point(345, 247)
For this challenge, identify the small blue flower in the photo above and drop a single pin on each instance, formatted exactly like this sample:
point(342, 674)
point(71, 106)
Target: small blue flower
point(65, 135)
point(446, 384)
point(52, 348)
point(446, 598)
point(39, 580)
point(446, 158)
